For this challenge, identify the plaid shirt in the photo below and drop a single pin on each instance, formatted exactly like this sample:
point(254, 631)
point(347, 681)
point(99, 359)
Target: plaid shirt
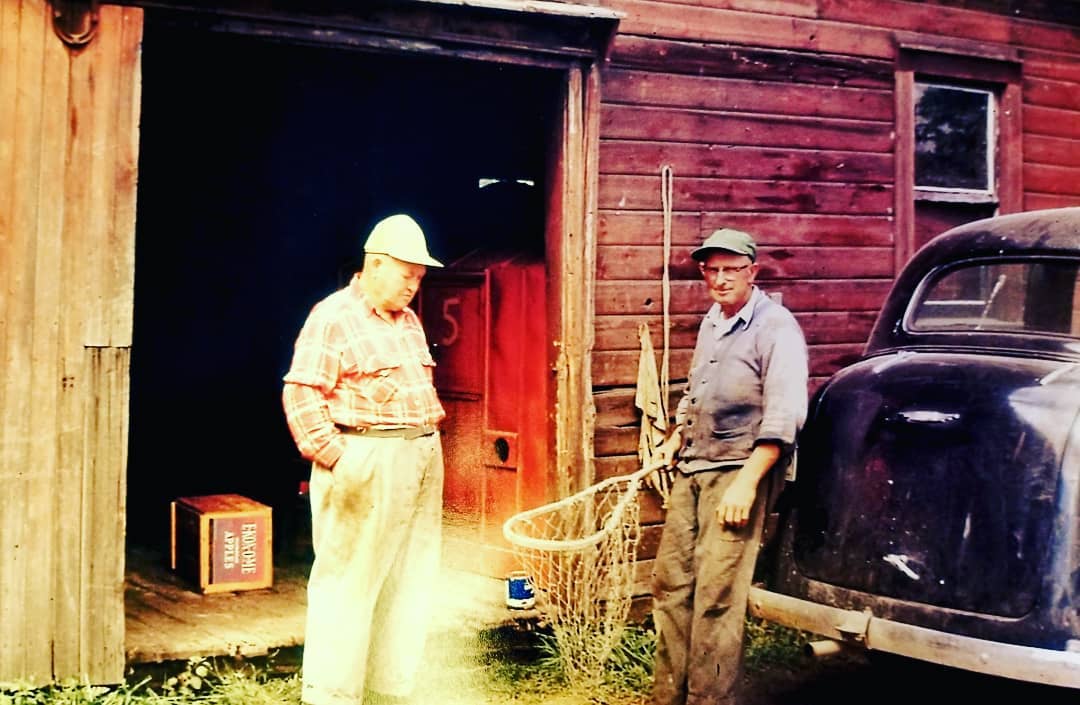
point(353, 368)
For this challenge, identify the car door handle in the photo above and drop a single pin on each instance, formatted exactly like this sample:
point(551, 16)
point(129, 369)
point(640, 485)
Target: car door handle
point(927, 417)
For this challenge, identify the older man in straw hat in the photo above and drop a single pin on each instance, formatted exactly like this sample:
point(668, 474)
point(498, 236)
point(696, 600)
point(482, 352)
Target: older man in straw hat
point(361, 404)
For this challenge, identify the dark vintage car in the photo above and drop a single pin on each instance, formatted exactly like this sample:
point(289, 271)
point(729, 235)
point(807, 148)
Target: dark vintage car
point(935, 512)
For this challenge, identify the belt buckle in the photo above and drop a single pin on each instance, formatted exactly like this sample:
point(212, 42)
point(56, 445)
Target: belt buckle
point(409, 433)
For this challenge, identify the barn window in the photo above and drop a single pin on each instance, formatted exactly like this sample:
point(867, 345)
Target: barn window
point(958, 137)
point(954, 133)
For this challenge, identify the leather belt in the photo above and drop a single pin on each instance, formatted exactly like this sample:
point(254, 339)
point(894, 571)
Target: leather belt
point(407, 432)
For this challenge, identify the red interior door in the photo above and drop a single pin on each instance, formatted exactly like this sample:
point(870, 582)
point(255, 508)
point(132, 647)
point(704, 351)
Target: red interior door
point(484, 317)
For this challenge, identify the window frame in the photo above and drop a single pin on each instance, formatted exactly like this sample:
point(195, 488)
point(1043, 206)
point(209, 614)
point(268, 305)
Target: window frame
point(916, 323)
point(985, 194)
point(964, 65)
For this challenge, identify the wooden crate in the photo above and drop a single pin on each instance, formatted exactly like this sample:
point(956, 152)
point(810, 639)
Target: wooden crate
point(222, 542)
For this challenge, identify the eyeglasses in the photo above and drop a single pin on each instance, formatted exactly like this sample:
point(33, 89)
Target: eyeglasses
point(725, 272)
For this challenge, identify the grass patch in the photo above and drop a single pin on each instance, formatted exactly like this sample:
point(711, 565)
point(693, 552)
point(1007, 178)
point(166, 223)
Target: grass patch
point(209, 681)
point(492, 667)
point(771, 645)
point(537, 675)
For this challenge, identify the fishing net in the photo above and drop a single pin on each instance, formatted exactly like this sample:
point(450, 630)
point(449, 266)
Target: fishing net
point(580, 555)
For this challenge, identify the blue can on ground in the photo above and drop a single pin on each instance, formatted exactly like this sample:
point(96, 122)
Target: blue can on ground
point(519, 591)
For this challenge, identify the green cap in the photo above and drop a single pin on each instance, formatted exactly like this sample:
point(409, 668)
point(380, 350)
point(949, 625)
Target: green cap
point(728, 240)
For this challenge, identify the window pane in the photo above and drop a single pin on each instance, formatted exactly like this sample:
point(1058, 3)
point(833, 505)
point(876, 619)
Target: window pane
point(951, 137)
point(1036, 296)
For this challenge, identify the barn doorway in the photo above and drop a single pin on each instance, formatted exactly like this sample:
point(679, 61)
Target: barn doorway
point(262, 166)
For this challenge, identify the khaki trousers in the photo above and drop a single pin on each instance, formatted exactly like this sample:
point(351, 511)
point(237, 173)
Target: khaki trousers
point(701, 583)
point(377, 542)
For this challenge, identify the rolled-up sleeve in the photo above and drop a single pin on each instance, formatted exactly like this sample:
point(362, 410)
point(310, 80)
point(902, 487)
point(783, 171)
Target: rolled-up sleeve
point(785, 372)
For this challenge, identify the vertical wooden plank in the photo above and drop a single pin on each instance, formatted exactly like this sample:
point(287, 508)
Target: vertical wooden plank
point(27, 449)
point(904, 159)
point(102, 636)
point(571, 259)
point(12, 357)
point(82, 292)
point(557, 482)
point(94, 72)
point(9, 65)
point(113, 73)
point(78, 281)
point(580, 147)
point(125, 178)
point(570, 393)
point(1011, 149)
point(60, 384)
point(590, 180)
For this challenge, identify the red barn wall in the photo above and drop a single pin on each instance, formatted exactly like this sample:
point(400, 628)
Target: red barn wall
point(779, 118)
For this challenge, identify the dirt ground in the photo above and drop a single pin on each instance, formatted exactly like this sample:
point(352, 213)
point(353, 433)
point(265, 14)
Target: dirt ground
point(858, 679)
point(455, 676)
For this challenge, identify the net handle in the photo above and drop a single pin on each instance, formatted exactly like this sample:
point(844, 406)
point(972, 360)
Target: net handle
point(633, 481)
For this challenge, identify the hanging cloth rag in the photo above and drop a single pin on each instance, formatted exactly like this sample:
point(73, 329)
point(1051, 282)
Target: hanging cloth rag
point(654, 420)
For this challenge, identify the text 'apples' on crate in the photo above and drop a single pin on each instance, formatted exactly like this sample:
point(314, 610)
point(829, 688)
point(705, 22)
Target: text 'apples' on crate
point(222, 542)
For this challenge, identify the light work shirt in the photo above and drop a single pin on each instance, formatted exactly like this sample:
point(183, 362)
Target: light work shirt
point(748, 384)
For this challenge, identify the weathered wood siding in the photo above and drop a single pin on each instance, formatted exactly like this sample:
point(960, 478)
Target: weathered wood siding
point(777, 117)
point(68, 129)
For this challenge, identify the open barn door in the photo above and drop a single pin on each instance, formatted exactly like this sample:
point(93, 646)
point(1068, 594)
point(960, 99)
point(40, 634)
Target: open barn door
point(312, 136)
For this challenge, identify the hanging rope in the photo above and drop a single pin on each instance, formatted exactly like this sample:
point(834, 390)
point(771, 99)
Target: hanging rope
point(652, 393)
point(666, 180)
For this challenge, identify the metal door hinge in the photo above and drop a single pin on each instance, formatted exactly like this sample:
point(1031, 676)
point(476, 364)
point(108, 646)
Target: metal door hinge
point(75, 21)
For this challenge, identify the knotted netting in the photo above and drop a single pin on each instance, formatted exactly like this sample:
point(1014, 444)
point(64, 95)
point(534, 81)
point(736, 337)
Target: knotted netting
point(580, 555)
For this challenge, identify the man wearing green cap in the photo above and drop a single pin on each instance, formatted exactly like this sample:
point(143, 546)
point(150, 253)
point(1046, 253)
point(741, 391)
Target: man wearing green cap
point(360, 402)
point(737, 422)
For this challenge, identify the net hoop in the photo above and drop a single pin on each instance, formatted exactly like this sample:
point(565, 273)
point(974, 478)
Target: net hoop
point(633, 482)
point(580, 554)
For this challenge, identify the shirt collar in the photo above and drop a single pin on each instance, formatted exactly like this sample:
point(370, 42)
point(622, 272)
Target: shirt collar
point(744, 314)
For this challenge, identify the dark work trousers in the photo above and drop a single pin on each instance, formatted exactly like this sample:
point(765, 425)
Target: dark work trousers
point(701, 582)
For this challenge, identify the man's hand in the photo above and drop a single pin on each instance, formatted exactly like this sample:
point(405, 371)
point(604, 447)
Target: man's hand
point(738, 500)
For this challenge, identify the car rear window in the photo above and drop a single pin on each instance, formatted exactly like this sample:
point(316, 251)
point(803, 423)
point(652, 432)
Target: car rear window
point(1039, 296)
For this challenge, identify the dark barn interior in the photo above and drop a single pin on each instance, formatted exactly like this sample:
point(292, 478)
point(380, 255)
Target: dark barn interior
point(263, 164)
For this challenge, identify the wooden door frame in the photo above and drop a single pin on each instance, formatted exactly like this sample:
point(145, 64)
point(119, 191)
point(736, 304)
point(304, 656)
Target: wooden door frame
point(571, 257)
